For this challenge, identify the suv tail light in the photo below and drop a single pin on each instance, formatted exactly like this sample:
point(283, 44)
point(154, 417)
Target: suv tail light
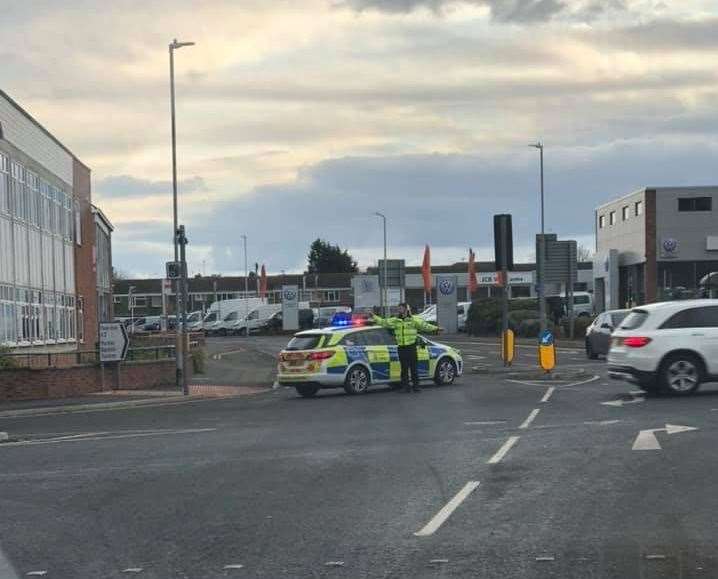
point(636, 341)
point(321, 355)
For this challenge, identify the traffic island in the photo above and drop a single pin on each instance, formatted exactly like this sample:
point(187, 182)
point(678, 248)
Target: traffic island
point(531, 373)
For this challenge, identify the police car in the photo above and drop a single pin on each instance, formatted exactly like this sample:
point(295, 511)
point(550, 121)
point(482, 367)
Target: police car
point(354, 356)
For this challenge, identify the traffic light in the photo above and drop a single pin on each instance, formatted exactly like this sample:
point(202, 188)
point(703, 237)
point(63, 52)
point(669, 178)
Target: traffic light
point(174, 270)
point(503, 242)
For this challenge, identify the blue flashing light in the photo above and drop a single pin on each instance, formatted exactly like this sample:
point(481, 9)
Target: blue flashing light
point(341, 319)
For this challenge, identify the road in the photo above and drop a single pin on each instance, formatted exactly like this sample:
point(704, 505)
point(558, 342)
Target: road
point(487, 478)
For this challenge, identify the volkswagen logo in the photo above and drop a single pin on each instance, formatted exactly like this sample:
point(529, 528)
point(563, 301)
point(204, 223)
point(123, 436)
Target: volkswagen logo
point(446, 286)
point(670, 245)
point(290, 295)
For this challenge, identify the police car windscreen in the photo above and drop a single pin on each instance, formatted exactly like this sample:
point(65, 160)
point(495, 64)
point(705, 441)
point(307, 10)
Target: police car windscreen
point(308, 342)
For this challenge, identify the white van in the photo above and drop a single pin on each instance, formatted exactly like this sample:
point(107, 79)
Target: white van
point(582, 304)
point(257, 318)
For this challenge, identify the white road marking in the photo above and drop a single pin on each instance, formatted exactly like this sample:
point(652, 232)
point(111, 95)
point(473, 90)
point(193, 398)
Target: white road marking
point(36, 573)
point(545, 559)
point(4, 436)
point(602, 422)
point(438, 561)
point(548, 394)
point(220, 355)
point(440, 518)
point(485, 423)
point(490, 344)
point(475, 357)
point(233, 566)
point(526, 423)
point(646, 439)
point(620, 403)
point(6, 570)
point(503, 451)
point(93, 436)
point(334, 564)
point(132, 570)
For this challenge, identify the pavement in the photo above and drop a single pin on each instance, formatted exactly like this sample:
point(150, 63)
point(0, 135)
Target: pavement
point(492, 477)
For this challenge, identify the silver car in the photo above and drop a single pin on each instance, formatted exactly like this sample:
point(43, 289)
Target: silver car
point(598, 334)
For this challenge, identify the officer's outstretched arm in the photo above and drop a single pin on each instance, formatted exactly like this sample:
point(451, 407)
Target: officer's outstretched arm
point(383, 322)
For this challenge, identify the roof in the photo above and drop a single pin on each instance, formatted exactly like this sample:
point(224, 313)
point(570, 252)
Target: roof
point(657, 190)
point(39, 126)
point(98, 212)
point(677, 304)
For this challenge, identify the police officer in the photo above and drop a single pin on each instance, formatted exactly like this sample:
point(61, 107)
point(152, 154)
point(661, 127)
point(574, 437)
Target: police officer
point(405, 328)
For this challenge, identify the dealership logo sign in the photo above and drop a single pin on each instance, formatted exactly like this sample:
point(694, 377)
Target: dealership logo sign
point(446, 287)
point(670, 245)
point(290, 295)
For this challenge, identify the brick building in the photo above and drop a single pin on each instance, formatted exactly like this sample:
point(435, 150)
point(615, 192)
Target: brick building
point(49, 267)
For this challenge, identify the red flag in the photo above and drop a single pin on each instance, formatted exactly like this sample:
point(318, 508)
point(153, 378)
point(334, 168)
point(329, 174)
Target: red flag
point(472, 273)
point(263, 283)
point(426, 269)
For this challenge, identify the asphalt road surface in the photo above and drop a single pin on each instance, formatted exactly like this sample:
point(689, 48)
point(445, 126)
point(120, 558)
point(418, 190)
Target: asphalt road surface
point(487, 478)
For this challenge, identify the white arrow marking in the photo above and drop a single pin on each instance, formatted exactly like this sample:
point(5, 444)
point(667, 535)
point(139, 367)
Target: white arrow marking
point(646, 439)
point(619, 403)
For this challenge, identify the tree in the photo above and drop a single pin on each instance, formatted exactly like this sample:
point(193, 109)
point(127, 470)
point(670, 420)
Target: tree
point(327, 258)
point(583, 253)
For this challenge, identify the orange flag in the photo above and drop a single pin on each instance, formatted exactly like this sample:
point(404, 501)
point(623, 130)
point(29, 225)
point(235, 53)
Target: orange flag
point(263, 283)
point(426, 269)
point(472, 273)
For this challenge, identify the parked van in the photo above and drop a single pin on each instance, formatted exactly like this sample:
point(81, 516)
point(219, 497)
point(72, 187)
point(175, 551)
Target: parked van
point(257, 318)
point(582, 304)
point(462, 311)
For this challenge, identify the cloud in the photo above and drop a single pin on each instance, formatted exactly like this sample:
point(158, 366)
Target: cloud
point(514, 11)
point(126, 186)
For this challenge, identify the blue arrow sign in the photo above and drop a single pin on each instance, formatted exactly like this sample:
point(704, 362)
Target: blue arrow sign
point(546, 338)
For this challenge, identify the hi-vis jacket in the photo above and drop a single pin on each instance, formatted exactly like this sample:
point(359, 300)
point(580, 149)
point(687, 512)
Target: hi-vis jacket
point(405, 329)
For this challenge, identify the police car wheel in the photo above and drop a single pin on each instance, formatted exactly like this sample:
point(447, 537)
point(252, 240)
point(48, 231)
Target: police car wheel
point(307, 390)
point(445, 372)
point(357, 380)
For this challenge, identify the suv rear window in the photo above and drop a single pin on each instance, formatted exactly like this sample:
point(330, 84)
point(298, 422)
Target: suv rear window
point(634, 320)
point(307, 342)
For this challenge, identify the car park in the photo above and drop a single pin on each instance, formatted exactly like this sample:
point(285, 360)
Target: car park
point(357, 356)
point(598, 334)
point(670, 347)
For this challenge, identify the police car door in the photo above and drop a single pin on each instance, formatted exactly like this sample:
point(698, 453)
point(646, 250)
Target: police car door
point(377, 347)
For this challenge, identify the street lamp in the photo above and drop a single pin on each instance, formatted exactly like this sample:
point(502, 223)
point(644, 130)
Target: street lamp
point(246, 275)
point(181, 286)
point(541, 257)
point(385, 296)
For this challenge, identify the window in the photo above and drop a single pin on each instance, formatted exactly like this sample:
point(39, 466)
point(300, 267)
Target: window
point(231, 316)
point(156, 301)
point(116, 300)
point(520, 291)
point(638, 208)
point(601, 221)
point(634, 320)
point(355, 339)
point(695, 204)
point(306, 342)
point(617, 318)
point(581, 300)
point(624, 212)
point(612, 218)
point(331, 296)
point(706, 317)
point(139, 301)
point(379, 337)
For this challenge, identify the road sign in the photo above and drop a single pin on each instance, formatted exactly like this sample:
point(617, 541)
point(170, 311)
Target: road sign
point(546, 338)
point(508, 347)
point(113, 342)
point(547, 351)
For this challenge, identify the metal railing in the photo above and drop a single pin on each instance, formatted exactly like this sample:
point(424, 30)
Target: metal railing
point(41, 360)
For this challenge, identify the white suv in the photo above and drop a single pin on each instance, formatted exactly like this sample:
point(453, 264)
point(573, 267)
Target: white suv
point(669, 346)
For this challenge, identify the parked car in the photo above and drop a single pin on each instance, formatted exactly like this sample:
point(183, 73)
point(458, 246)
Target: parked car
point(274, 323)
point(323, 316)
point(669, 347)
point(598, 334)
point(462, 311)
point(194, 322)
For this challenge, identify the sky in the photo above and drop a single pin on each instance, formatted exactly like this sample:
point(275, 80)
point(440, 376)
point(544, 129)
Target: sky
point(298, 120)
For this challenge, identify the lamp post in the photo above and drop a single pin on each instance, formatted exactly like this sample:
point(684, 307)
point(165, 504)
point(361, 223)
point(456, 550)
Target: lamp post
point(246, 275)
point(384, 295)
point(181, 284)
point(541, 256)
